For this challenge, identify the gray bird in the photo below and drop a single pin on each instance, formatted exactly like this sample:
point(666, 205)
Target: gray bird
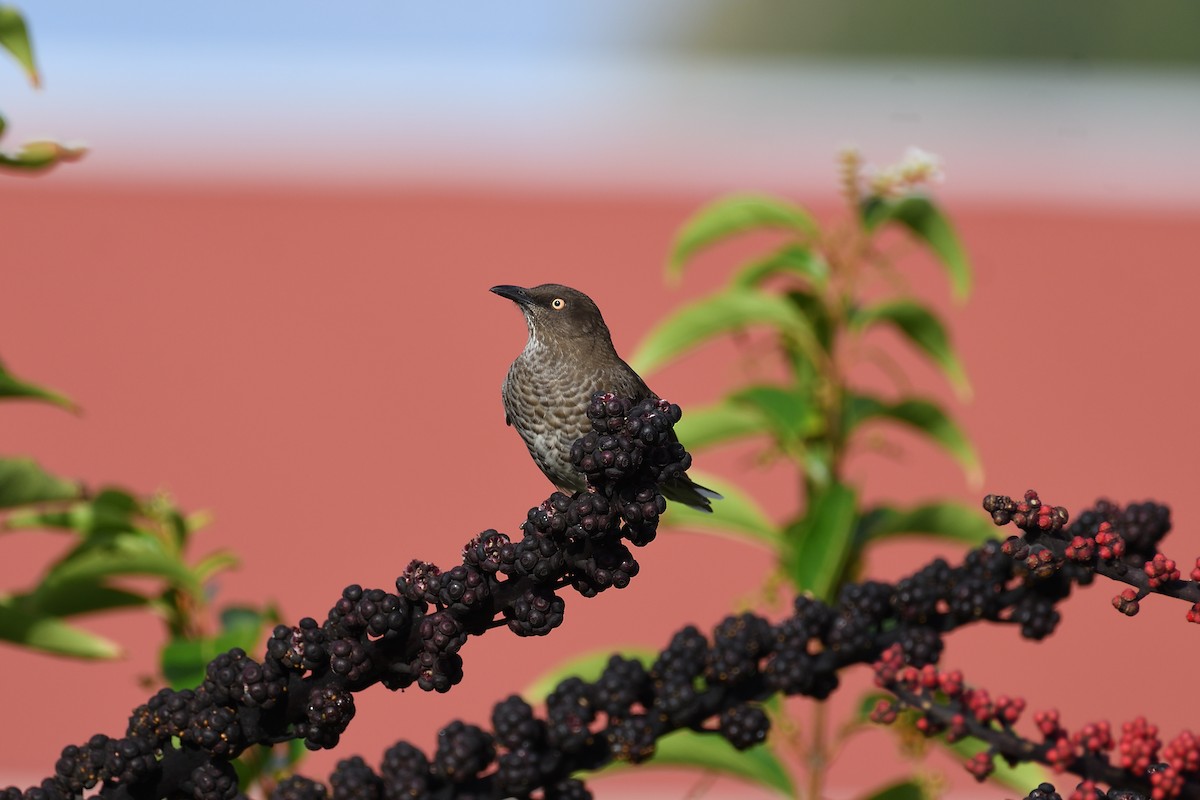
point(569, 356)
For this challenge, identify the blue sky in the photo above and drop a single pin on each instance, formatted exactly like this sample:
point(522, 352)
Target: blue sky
point(535, 93)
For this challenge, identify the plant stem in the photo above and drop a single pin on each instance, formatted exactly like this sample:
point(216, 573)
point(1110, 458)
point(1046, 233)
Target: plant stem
point(817, 756)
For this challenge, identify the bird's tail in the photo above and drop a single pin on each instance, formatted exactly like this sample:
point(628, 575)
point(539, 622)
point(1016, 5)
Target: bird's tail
point(685, 490)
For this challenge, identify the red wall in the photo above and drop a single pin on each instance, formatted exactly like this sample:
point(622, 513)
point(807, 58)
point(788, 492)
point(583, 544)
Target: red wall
point(321, 370)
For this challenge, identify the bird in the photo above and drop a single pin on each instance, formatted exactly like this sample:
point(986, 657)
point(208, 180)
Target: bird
point(569, 356)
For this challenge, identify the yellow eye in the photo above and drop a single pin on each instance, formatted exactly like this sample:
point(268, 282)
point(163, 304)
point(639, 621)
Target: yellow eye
point(557, 303)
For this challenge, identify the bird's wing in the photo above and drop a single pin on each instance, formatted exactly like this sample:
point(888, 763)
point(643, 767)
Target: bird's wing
point(504, 400)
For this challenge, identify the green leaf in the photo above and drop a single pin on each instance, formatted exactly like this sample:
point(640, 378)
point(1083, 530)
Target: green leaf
point(23, 482)
point(183, 661)
point(792, 260)
point(119, 553)
point(923, 219)
point(704, 319)
point(211, 564)
point(920, 415)
point(1019, 778)
point(112, 510)
point(40, 155)
point(819, 545)
point(13, 387)
point(902, 790)
point(67, 600)
point(587, 666)
point(946, 520)
point(242, 624)
point(14, 37)
point(736, 515)
point(717, 423)
point(733, 215)
point(30, 628)
point(785, 410)
point(711, 753)
point(812, 307)
point(921, 327)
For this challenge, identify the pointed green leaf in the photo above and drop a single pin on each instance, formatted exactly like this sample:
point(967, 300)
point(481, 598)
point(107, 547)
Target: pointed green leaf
point(711, 753)
point(720, 422)
point(67, 600)
point(902, 790)
point(920, 415)
point(819, 545)
point(704, 319)
point(41, 155)
point(733, 215)
point(23, 482)
point(736, 515)
point(12, 387)
point(183, 661)
point(216, 562)
point(1020, 778)
point(14, 37)
point(588, 666)
point(921, 327)
point(112, 510)
point(127, 552)
point(25, 626)
point(785, 410)
point(947, 520)
point(925, 221)
point(791, 259)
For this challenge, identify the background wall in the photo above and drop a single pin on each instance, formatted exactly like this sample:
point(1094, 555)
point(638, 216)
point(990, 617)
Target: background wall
point(266, 285)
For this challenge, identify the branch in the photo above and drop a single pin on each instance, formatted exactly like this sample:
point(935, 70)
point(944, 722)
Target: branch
point(714, 685)
point(180, 743)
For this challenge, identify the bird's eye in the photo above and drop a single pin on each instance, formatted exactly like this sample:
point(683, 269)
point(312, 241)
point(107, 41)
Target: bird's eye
point(557, 303)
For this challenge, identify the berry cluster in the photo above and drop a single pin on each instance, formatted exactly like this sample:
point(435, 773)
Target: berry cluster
point(711, 684)
point(933, 702)
point(1118, 543)
point(714, 683)
point(304, 686)
point(630, 453)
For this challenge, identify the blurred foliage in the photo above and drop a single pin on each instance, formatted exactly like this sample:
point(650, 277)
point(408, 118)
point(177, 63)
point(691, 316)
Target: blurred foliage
point(1159, 32)
point(116, 540)
point(123, 551)
point(38, 155)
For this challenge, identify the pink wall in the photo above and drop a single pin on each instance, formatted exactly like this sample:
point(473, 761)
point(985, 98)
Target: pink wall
point(321, 370)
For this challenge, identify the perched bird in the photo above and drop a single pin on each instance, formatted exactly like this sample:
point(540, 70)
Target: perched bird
point(569, 356)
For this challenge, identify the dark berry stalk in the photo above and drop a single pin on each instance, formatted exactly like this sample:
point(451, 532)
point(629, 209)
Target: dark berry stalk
point(713, 684)
point(305, 685)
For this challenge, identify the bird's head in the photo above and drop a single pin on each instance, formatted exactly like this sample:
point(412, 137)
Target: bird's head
point(557, 313)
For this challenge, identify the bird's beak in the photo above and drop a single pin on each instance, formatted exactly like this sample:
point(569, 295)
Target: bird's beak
point(514, 293)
